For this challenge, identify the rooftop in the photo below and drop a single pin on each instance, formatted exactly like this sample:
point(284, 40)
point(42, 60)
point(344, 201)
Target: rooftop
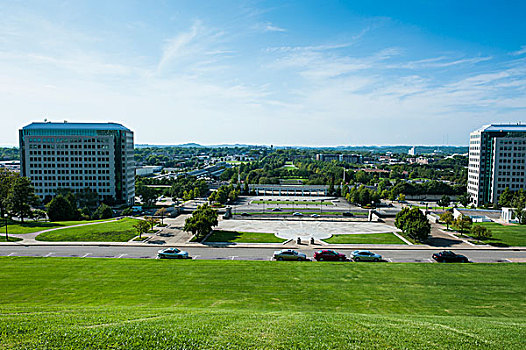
point(503, 127)
point(70, 126)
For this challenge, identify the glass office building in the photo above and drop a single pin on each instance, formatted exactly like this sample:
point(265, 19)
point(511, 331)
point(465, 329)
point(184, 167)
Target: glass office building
point(76, 156)
point(497, 159)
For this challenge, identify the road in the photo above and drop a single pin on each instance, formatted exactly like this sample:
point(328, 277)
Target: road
point(210, 253)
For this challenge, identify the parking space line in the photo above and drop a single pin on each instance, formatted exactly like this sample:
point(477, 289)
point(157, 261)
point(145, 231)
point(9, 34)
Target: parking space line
point(389, 259)
point(120, 256)
point(429, 260)
point(47, 255)
point(11, 254)
point(196, 256)
point(85, 255)
point(233, 257)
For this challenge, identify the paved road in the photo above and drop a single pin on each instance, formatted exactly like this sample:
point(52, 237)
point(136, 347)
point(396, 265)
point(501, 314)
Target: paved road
point(210, 253)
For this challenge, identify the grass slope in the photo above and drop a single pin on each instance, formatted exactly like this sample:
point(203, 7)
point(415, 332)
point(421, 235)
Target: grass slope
point(35, 226)
point(131, 304)
point(505, 235)
point(243, 237)
point(370, 238)
point(115, 231)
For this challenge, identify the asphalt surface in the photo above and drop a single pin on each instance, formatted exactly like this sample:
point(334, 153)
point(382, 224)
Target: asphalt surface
point(213, 253)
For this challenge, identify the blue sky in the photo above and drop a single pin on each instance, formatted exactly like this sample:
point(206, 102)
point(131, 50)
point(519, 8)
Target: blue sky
point(266, 72)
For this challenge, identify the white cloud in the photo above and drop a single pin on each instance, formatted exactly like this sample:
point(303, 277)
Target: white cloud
point(269, 27)
point(519, 52)
point(439, 62)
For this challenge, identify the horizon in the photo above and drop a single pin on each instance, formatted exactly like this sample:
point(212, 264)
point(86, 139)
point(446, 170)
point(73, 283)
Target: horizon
point(272, 72)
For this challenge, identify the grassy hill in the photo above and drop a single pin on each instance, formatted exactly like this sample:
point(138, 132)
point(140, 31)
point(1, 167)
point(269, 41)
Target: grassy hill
point(66, 303)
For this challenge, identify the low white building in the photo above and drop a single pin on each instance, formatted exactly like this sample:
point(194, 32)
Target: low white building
point(147, 170)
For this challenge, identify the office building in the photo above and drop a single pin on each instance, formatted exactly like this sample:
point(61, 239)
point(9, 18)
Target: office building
point(76, 156)
point(497, 159)
point(349, 158)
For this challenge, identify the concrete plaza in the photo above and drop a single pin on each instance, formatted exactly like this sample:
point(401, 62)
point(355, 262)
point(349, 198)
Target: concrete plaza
point(288, 229)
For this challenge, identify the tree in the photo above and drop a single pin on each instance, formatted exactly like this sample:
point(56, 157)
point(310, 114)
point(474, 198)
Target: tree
point(87, 198)
point(147, 194)
point(39, 214)
point(201, 221)
point(463, 222)
point(444, 201)
point(413, 223)
point(151, 221)
point(127, 212)
point(103, 212)
point(519, 212)
point(506, 198)
point(160, 212)
point(480, 232)
point(62, 209)
point(464, 199)
point(141, 227)
point(401, 197)
point(418, 229)
point(447, 218)
point(519, 202)
point(21, 197)
point(7, 178)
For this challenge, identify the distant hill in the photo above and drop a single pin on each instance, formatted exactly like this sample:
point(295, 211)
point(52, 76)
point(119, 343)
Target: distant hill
point(374, 149)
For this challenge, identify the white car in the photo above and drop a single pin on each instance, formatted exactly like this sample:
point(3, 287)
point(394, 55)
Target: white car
point(297, 214)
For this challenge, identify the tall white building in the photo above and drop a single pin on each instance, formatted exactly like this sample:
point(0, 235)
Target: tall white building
point(497, 159)
point(76, 156)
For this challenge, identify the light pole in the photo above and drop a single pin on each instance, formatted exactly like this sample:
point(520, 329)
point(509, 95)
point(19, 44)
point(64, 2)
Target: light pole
point(6, 234)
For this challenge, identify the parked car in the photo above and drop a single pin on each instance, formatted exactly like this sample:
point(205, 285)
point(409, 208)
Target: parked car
point(172, 253)
point(449, 256)
point(329, 255)
point(347, 213)
point(245, 214)
point(297, 214)
point(315, 216)
point(276, 209)
point(289, 254)
point(365, 255)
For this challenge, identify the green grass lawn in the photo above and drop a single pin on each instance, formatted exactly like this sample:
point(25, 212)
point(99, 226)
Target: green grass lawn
point(292, 202)
point(73, 303)
point(11, 239)
point(505, 235)
point(116, 231)
point(35, 226)
point(243, 237)
point(370, 238)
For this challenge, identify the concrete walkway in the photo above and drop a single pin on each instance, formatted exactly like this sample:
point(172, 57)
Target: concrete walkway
point(172, 233)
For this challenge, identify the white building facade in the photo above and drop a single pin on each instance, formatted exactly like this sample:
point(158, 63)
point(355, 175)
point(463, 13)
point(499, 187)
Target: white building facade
point(75, 156)
point(497, 159)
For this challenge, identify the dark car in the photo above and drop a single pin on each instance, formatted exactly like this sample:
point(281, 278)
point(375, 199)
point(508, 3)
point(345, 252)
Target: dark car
point(347, 213)
point(329, 255)
point(245, 214)
point(449, 256)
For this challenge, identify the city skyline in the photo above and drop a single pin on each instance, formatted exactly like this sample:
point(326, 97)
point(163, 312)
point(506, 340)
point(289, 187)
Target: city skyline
point(284, 73)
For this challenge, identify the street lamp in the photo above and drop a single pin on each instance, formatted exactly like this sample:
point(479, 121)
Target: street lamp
point(6, 234)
